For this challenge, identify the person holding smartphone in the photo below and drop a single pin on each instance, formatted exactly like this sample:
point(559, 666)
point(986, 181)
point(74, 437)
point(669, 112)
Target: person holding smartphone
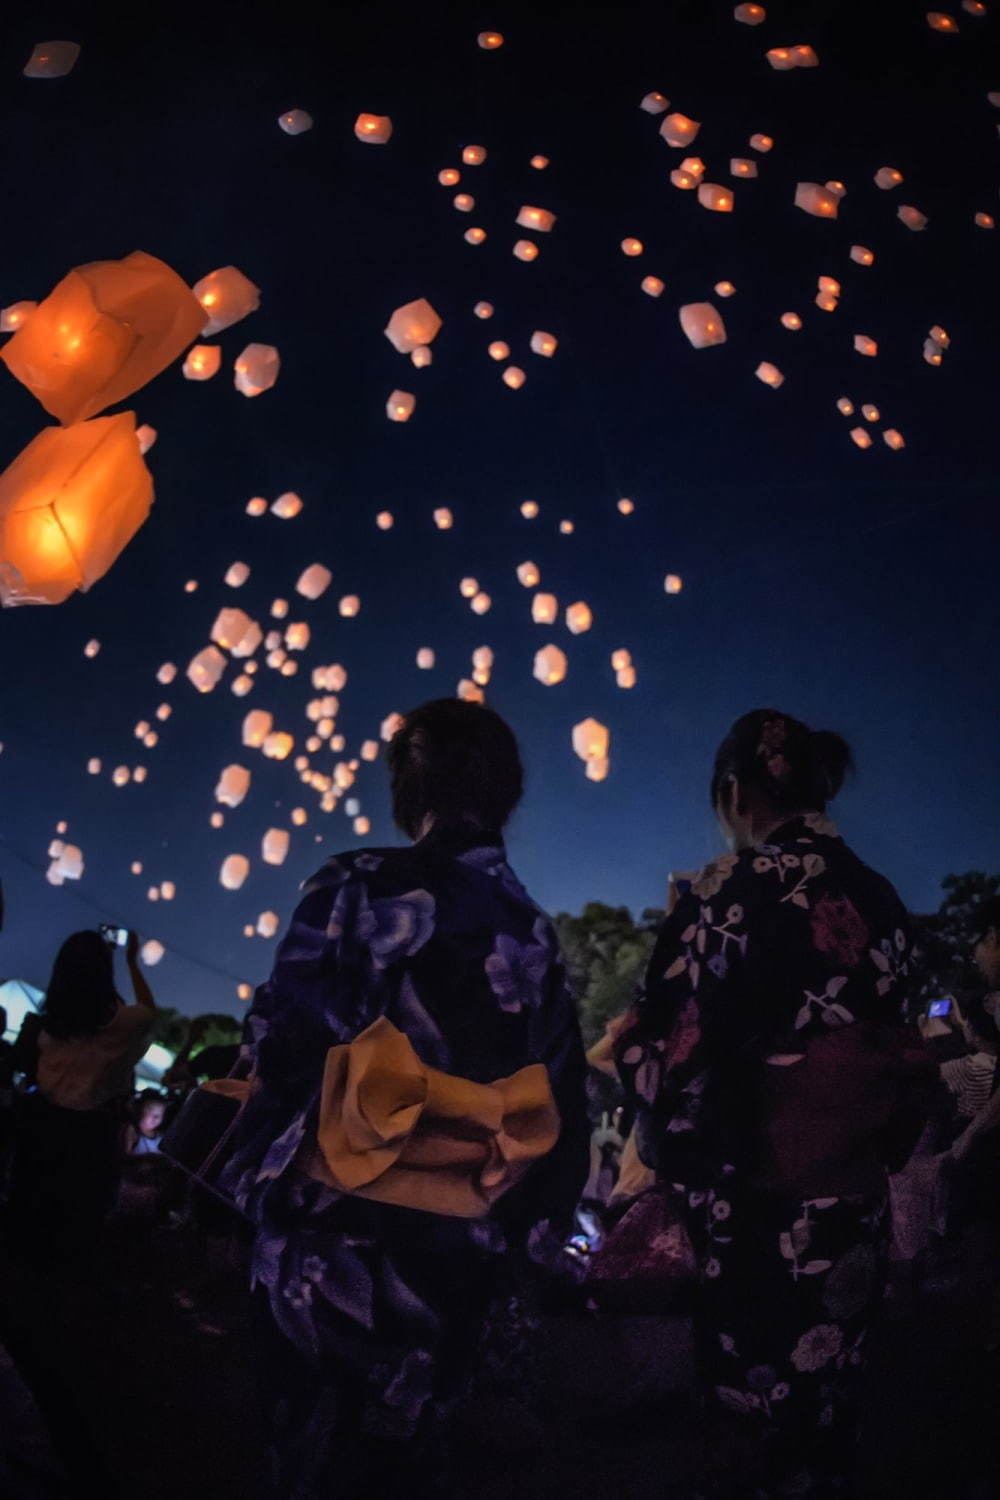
point(66, 1157)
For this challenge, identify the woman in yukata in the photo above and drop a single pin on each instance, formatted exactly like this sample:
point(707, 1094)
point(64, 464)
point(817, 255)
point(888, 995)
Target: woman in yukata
point(416, 1138)
point(773, 1088)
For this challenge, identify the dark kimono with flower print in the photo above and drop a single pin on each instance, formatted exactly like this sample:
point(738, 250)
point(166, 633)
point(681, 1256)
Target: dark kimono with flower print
point(771, 952)
point(443, 940)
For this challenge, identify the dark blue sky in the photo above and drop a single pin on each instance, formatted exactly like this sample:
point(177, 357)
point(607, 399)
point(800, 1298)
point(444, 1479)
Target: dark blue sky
point(857, 590)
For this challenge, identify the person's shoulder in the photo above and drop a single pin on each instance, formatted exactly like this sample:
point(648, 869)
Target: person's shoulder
point(362, 866)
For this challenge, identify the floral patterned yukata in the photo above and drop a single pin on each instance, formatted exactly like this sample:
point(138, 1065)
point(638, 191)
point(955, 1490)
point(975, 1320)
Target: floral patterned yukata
point(771, 951)
point(384, 1305)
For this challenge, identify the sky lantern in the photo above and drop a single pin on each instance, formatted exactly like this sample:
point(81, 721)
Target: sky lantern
point(654, 103)
point(742, 166)
point(206, 668)
point(626, 507)
point(545, 344)
point(528, 575)
point(278, 745)
point(679, 130)
point(784, 58)
point(591, 740)
point(474, 156)
point(827, 301)
point(579, 618)
point(15, 316)
point(475, 236)
point(216, 819)
point(887, 178)
point(791, 321)
point(489, 41)
point(817, 200)
point(652, 286)
point(942, 339)
point(911, 217)
point(984, 221)
point(724, 289)
point(373, 129)
point(232, 786)
point(539, 163)
point(974, 7)
point(105, 330)
point(235, 869)
point(861, 437)
point(166, 674)
point(257, 506)
point(550, 666)
point(297, 636)
point(498, 350)
point(425, 658)
point(702, 324)
point(91, 648)
point(235, 632)
point(483, 309)
point(449, 176)
point(400, 406)
point(529, 509)
point(865, 345)
point(463, 202)
point(625, 677)
point(385, 520)
point(862, 256)
point(567, 528)
point(287, 506)
point(631, 246)
point(349, 606)
point(163, 712)
point(468, 587)
point(241, 685)
point(769, 374)
point(237, 574)
point(525, 250)
point(621, 659)
point(256, 369)
point(686, 181)
point(762, 143)
point(412, 324)
point(750, 15)
point(256, 727)
point(481, 604)
point(539, 219)
point(67, 863)
point(363, 825)
point(544, 609)
point(145, 436)
point(830, 285)
point(70, 503)
point(295, 121)
point(893, 439)
point(715, 197)
point(191, 587)
point(940, 20)
point(279, 609)
point(227, 296)
point(597, 770)
point(514, 377)
point(51, 59)
point(469, 692)
point(845, 406)
point(94, 765)
point(121, 776)
point(672, 584)
point(694, 166)
point(421, 357)
point(870, 412)
point(443, 518)
point(151, 952)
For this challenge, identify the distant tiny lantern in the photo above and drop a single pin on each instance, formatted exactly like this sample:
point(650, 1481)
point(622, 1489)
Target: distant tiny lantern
point(483, 309)
point(830, 285)
point(94, 766)
point(489, 40)
point(626, 507)
point(468, 587)
point(526, 250)
point(769, 374)
point(591, 740)
point(257, 506)
point(236, 632)
point(443, 518)
point(539, 163)
point(235, 869)
point(724, 289)
point(279, 609)
point(672, 584)
point(652, 286)
point(498, 350)
point(425, 658)
point(827, 301)
point(243, 992)
point(750, 15)
point(256, 369)
point(91, 648)
point(232, 786)
point(817, 200)
point(683, 180)
point(216, 819)
point(278, 745)
point(385, 520)
point(862, 256)
point(14, 317)
point(631, 246)
point(887, 178)
point(474, 236)
point(206, 668)
point(654, 103)
point(295, 121)
point(792, 321)
point(256, 727)
point(121, 776)
point(566, 528)
point(166, 674)
point(539, 219)
point(870, 412)
point(400, 406)
point(550, 666)
point(313, 581)
point(625, 677)
point(369, 750)
point(241, 685)
point(679, 130)
point(448, 176)
point(349, 606)
point(463, 202)
point(942, 339)
point(741, 166)
point(237, 574)
point(267, 924)
point(528, 575)
point(845, 406)
point(297, 637)
point(579, 618)
point(514, 377)
point(421, 357)
point(621, 659)
point(545, 344)
point(481, 604)
point(191, 587)
point(911, 217)
point(375, 130)
point(474, 156)
point(529, 509)
point(985, 221)
point(893, 439)
point(940, 20)
point(719, 200)
point(861, 437)
point(865, 345)
point(469, 692)
point(227, 296)
point(52, 60)
point(974, 7)
point(544, 609)
point(702, 324)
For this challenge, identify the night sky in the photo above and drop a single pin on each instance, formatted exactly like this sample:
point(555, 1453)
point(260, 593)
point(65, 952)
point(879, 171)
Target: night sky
point(855, 589)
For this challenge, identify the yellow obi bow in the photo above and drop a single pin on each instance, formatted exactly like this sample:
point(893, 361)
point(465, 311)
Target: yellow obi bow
point(396, 1131)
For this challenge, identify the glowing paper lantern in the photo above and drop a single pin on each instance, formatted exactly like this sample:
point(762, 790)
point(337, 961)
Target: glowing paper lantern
point(235, 869)
point(679, 131)
point(105, 330)
point(654, 104)
point(750, 15)
point(985, 221)
point(256, 727)
point(683, 180)
point(702, 324)
point(827, 302)
point(539, 163)
point(232, 786)
point(498, 350)
point(166, 674)
point(481, 604)
point(816, 200)
point(514, 377)
point(69, 504)
point(349, 606)
point(443, 518)
point(241, 685)
point(91, 648)
point(865, 345)
point(257, 506)
point(861, 437)
point(887, 178)
point(464, 202)
point(425, 658)
point(769, 374)
point(278, 745)
point(94, 766)
point(474, 156)
point(621, 659)
point(448, 176)
point(297, 637)
point(784, 58)
point(121, 776)
point(67, 863)
point(911, 217)
point(295, 121)
point(528, 575)
point(469, 691)
point(151, 952)
point(400, 406)
point(718, 199)
point(489, 41)
point(672, 584)
point(237, 574)
point(374, 129)
point(235, 632)
point(862, 256)
point(939, 20)
point(313, 581)
point(625, 677)
point(631, 246)
point(740, 166)
point(483, 309)
point(544, 609)
point(362, 826)
point(591, 740)
point(206, 668)
point(870, 412)
point(544, 343)
point(792, 321)
point(191, 587)
point(652, 286)
point(579, 618)
point(550, 666)
point(529, 509)
point(474, 236)
point(286, 506)
point(52, 60)
point(829, 285)
point(626, 507)
point(893, 439)
point(597, 770)
point(724, 289)
point(227, 296)
point(385, 520)
point(14, 317)
point(845, 406)
point(256, 370)
point(267, 924)
point(539, 219)
point(942, 339)
point(566, 528)
point(525, 250)
point(412, 324)
point(421, 357)
point(761, 142)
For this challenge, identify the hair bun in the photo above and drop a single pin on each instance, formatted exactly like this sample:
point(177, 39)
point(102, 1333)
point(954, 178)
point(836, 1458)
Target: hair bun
point(832, 758)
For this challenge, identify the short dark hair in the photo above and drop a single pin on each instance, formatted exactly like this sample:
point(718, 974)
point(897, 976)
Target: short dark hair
point(789, 766)
point(81, 995)
point(456, 762)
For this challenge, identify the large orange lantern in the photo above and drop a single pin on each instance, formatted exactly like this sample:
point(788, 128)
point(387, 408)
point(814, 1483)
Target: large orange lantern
point(103, 332)
point(69, 504)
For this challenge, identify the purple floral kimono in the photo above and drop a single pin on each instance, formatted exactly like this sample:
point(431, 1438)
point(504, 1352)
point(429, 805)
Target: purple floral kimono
point(443, 940)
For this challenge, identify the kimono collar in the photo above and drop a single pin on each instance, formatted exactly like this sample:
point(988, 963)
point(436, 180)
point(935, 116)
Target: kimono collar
point(455, 839)
point(805, 826)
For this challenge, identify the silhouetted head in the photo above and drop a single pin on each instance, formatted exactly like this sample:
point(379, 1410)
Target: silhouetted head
point(81, 996)
point(453, 764)
point(771, 767)
point(986, 940)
